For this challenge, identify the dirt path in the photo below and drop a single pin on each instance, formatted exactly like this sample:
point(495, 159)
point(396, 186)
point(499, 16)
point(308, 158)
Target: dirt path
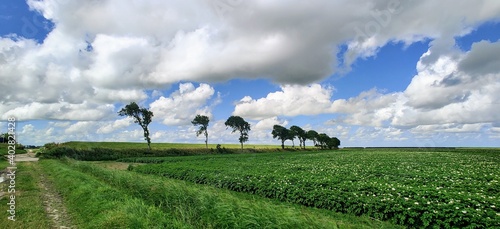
point(53, 202)
point(25, 157)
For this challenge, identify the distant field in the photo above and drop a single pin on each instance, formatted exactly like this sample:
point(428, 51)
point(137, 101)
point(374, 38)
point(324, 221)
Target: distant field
point(138, 145)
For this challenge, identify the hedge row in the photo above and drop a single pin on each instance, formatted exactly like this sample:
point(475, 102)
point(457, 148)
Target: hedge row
point(107, 154)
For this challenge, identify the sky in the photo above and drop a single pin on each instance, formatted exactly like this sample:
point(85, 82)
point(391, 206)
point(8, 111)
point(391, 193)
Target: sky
point(371, 73)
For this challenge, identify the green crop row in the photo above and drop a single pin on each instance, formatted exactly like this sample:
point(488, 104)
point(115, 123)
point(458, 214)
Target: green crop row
point(152, 160)
point(453, 188)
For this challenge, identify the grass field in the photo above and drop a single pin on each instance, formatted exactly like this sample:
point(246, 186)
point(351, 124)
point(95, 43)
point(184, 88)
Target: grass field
point(138, 145)
point(4, 149)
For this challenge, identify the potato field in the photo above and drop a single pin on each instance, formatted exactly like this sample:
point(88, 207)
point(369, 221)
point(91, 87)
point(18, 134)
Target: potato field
point(453, 188)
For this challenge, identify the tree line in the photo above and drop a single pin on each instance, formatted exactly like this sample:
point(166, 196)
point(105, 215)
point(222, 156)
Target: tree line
point(143, 117)
point(321, 140)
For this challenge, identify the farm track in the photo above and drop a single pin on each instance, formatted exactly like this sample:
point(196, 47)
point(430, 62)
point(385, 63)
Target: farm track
point(53, 202)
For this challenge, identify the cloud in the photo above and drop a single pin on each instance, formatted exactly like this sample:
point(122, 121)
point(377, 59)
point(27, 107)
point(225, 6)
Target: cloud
point(113, 126)
point(57, 111)
point(368, 108)
point(183, 105)
point(441, 93)
point(83, 127)
point(449, 128)
point(106, 53)
point(438, 78)
point(482, 60)
point(268, 123)
point(120, 62)
point(100, 55)
point(446, 92)
point(292, 100)
point(371, 108)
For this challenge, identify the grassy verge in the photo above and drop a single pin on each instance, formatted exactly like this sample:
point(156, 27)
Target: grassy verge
point(94, 204)
point(199, 206)
point(29, 209)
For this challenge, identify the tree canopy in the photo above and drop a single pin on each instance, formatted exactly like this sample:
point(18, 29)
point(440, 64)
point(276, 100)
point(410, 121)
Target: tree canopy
point(141, 116)
point(237, 123)
point(281, 133)
point(202, 121)
point(313, 136)
point(326, 141)
point(333, 143)
point(300, 134)
point(321, 140)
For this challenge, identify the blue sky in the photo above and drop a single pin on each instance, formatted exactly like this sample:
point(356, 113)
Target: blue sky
point(391, 73)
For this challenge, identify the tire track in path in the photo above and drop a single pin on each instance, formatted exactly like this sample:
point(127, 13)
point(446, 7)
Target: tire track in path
point(53, 202)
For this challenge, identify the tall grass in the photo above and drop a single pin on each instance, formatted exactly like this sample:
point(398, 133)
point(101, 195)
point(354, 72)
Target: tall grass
point(95, 204)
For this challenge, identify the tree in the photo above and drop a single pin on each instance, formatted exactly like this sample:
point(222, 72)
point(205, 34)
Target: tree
point(142, 116)
point(333, 143)
point(281, 133)
point(202, 122)
point(291, 136)
point(313, 136)
point(4, 137)
point(323, 140)
point(301, 135)
point(239, 124)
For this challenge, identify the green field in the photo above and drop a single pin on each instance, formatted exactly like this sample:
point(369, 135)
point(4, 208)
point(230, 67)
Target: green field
point(416, 188)
point(4, 149)
point(159, 146)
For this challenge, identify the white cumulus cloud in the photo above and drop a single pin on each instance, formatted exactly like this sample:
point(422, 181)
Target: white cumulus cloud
point(183, 105)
